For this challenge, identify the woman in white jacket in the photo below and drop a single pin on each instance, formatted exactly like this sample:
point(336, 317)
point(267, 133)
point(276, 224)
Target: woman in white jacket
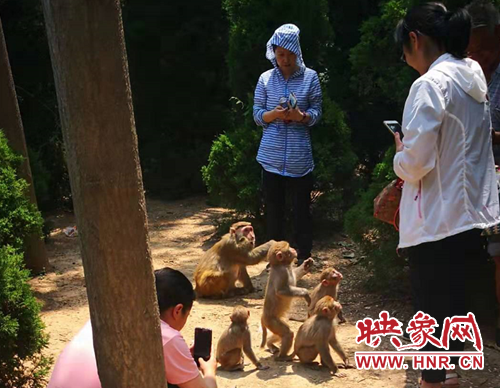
point(446, 161)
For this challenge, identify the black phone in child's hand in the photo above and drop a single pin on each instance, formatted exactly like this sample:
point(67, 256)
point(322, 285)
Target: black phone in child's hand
point(202, 344)
point(394, 127)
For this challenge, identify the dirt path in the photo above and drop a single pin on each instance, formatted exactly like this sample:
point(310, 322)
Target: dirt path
point(180, 232)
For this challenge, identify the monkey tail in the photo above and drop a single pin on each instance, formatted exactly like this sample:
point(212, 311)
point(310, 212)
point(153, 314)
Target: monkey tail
point(264, 333)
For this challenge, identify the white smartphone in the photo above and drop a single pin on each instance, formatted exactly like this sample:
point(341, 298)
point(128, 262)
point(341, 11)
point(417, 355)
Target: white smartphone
point(394, 127)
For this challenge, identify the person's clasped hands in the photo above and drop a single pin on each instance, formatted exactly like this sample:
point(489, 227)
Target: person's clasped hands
point(288, 114)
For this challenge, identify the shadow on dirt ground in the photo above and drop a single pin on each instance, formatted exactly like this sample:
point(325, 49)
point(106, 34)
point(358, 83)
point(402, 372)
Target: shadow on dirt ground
point(180, 231)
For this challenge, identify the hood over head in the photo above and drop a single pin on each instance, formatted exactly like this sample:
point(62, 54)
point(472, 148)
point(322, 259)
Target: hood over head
point(467, 73)
point(286, 36)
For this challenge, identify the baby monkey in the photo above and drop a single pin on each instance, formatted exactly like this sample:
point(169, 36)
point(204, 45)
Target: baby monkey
point(236, 340)
point(317, 334)
point(329, 285)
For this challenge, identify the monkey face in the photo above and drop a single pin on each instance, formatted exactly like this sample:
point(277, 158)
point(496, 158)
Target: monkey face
point(332, 277)
point(243, 234)
point(247, 231)
point(281, 253)
point(287, 256)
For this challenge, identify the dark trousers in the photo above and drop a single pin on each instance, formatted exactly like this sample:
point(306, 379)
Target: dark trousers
point(439, 273)
point(275, 188)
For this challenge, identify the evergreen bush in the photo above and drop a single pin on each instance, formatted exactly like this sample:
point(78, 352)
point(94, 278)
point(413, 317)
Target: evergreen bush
point(21, 329)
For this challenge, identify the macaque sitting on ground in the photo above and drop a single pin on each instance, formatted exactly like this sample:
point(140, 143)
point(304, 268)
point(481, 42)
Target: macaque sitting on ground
point(281, 289)
point(317, 334)
point(225, 263)
point(235, 341)
point(329, 285)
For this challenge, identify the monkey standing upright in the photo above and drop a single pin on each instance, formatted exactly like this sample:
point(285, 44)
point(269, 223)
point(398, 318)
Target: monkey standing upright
point(329, 285)
point(281, 289)
point(225, 263)
point(317, 333)
point(235, 341)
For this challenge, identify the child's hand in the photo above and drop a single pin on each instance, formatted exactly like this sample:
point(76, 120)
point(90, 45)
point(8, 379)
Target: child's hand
point(209, 367)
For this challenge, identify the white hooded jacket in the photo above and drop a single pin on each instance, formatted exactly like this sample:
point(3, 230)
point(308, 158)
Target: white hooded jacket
point(447, 162)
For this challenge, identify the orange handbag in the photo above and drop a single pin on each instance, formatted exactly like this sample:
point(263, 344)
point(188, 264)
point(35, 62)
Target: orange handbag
point(386, 204)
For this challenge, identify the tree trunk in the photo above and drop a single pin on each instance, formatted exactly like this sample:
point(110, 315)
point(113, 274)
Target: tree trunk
point(35, 255)
point(91, 76)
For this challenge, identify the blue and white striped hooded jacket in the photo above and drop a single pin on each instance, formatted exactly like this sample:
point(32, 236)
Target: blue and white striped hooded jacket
point(285, 148)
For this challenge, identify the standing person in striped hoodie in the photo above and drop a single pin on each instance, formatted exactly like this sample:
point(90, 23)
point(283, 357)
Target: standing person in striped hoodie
point(285, 151)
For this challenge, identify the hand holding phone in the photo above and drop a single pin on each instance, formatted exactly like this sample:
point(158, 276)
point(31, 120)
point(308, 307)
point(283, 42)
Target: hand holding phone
point(394, 127)
point(202, 344)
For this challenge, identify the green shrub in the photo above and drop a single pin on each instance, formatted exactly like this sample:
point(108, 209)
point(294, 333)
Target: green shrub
point(18, 218)
point(21, 329)
point(378, 239)
point(232, 174)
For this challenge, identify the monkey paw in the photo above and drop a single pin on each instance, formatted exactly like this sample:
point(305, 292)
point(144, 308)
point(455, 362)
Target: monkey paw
point(262, 367)
point(339, 375)
point(346, 365)
point(308, 264)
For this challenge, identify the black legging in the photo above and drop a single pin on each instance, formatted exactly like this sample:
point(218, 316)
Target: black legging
point(275, 188)
point(440, 273)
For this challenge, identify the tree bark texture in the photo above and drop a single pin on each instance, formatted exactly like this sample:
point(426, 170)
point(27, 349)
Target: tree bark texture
point(95, 104)
point(35, 254)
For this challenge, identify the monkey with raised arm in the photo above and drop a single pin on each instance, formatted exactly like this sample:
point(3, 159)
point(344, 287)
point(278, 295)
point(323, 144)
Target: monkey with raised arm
point(317, 334)
point(281, 289)
point(236, 341)
point(329, 285)
point(223, 265)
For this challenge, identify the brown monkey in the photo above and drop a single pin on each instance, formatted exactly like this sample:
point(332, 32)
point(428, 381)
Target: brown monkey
point(281, 288)
point(317, 333)
point(225, 263)
point(236, 340)
point(329, 285)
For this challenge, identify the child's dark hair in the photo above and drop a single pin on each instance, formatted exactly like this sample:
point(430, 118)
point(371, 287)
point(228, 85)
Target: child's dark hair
point(173, 288)
point(450, 30)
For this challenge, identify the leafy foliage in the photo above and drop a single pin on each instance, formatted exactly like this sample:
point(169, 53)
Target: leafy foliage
point(21, 329)
point(18, 218)
point(232, 174)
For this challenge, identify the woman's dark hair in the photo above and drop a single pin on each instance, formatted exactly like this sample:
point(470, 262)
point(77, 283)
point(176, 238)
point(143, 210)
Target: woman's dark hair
point(450, 30)
point(173, 288)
